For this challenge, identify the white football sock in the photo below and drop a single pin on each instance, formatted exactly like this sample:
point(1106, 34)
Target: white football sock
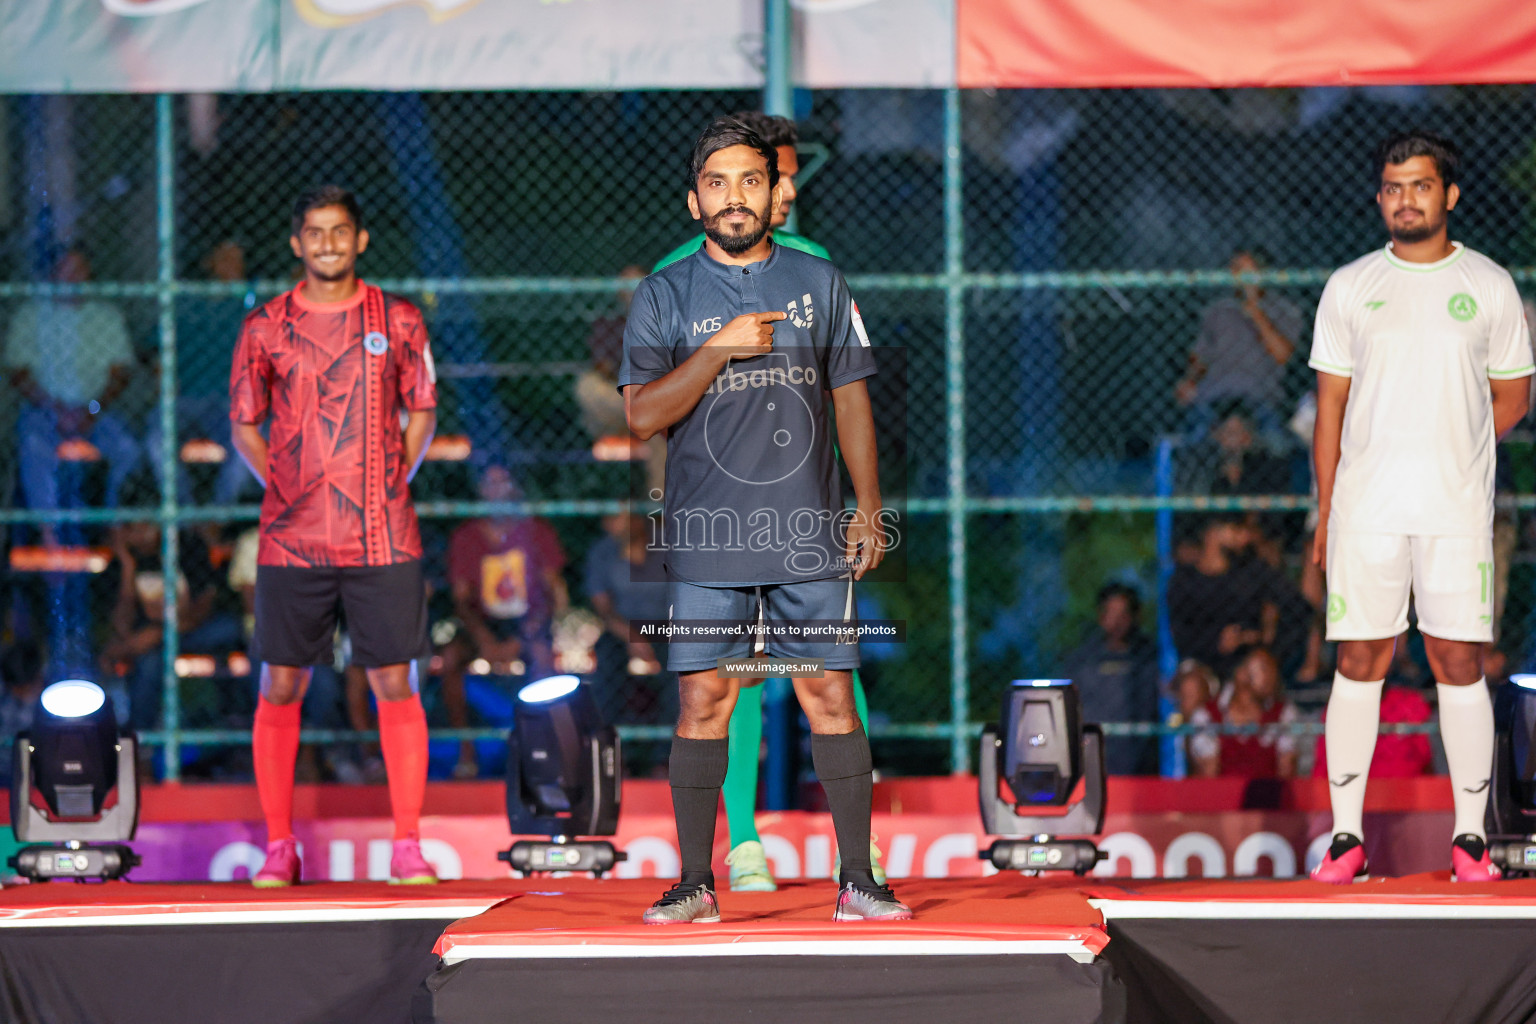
point(1466, 729)
point(1349, 738)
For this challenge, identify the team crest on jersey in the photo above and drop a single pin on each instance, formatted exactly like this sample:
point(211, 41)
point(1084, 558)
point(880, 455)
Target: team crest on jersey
point(376, 343)
point(800, 313)
point(1462, 306)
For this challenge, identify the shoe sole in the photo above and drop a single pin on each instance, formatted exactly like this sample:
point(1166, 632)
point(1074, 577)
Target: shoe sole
point(769, 886)
point(694, 920)
point(1363, 876)
point(419, 880)
point(838, 915)
point(271, 883)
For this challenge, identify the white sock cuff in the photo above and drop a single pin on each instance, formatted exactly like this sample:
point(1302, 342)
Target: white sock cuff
point(1356, 689)
point(1463, 696)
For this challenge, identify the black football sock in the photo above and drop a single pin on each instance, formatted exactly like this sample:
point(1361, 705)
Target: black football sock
point(844, 767)
point(696, 771)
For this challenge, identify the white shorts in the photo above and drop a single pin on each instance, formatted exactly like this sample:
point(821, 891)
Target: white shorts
point(1370, 575)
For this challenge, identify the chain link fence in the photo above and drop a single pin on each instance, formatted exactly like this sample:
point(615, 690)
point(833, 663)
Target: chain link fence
point(1041, 266)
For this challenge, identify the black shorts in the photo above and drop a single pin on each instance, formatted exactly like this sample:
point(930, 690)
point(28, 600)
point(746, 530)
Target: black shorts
point(385, 609)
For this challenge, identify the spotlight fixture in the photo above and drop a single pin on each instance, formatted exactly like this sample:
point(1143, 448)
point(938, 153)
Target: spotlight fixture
point(1041, 755)
point(1511, 819)
point(562, 780)
point(74, 788)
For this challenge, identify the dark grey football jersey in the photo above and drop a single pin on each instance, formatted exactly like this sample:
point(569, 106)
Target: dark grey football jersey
point(752, 493)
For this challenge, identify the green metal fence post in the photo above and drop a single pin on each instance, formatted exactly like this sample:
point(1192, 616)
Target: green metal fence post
point(170, 562)
point(778, 89)
point(954, 402)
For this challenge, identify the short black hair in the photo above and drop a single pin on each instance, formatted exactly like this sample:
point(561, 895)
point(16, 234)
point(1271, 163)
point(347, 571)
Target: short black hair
point(1257, 253)
point(22, 663)
point(1113, 590)
point(723, 133)
point(1400, 147)
point(1226, 408)
point(776, 131)
point(1210, 520)
point(322, 196)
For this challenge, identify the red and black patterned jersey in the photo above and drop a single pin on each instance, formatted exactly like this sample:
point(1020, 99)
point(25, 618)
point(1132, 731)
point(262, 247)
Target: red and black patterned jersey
point(334, 378)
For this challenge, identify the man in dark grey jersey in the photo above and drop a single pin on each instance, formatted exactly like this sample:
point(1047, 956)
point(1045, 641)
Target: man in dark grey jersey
point(732, 351)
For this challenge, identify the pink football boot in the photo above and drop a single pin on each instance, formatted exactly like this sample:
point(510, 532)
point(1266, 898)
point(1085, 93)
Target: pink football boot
point(282, 866)
point(1344, 863)
point(407, 866)
point(1470, 861)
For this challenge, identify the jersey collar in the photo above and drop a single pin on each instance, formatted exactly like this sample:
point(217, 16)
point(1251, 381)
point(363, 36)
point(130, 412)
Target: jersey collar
point(1424, 268)
point(304, 302)
point(732, 270)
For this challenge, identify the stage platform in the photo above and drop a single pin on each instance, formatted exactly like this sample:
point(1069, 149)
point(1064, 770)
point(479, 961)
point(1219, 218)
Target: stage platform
point(126, 953)
point(975, 946)
point(554, 950)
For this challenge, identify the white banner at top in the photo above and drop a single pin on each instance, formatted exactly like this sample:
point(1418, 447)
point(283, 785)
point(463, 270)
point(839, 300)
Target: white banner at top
point(272, 45)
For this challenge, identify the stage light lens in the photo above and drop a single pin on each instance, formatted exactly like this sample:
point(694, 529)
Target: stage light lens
point(73, 698)
point(1042, 682)
point(1524, 681)
point(545, 690)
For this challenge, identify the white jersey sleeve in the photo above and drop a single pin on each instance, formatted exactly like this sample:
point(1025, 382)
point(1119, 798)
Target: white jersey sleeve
point(1332, 333)
point(1509, 340)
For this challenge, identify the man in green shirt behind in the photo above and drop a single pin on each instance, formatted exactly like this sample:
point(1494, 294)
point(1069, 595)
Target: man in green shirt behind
point(747, 860)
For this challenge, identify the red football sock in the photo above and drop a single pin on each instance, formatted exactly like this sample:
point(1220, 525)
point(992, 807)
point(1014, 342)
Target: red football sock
point(274, 745)
point(403, 735)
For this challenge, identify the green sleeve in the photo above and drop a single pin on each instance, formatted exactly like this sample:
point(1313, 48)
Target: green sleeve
point(788, 238)
point(800, 242)
point(682, 252)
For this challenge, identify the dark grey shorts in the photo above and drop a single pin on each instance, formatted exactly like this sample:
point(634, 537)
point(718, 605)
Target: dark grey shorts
point(778, 604)
point(297, 607)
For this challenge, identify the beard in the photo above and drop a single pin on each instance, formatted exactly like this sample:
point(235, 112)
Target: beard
point(1426, 228)
point(733, 242)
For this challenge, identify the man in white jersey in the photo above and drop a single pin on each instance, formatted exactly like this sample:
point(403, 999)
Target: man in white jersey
point(1422, 356)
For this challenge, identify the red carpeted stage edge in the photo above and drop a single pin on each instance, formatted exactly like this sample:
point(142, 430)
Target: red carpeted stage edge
point(568, 949)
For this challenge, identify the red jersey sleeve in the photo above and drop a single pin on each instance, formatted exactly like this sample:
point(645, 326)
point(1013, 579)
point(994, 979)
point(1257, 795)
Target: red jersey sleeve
point(250, 374)
point(418, 373)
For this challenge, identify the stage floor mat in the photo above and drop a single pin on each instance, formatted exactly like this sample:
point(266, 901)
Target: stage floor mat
point(587, 918)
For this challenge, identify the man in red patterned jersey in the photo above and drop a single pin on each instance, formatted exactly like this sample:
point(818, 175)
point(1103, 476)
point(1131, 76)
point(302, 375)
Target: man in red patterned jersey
point(333, 364)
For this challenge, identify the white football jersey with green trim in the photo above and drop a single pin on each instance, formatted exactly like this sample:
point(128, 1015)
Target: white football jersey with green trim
point(1420, 341)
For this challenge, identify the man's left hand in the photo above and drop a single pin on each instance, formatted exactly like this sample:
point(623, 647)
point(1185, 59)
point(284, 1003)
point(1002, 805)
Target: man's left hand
point(866, 541)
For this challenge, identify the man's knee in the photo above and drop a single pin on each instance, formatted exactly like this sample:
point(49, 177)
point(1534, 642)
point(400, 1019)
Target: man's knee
point(703, 695)
point(1365, 661)
point(283, 684)
point(1454, 663)
point(392, 682)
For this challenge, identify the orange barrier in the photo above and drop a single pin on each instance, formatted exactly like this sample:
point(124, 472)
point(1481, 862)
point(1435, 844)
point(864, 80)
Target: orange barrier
point(60, 559)
point(450, 448)
point(202, 451)
point(617, 448)
point(77, 449)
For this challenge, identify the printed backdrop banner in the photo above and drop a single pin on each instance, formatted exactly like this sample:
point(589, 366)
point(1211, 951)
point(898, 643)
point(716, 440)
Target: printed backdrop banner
point(800, 844)
point(270, 45)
